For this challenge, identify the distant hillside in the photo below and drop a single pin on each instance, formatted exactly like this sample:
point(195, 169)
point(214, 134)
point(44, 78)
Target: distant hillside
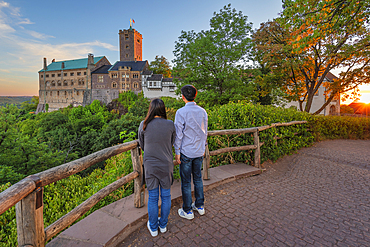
point(16, 100)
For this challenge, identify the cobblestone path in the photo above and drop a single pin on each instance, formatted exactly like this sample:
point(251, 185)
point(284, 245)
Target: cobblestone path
point(318, 197)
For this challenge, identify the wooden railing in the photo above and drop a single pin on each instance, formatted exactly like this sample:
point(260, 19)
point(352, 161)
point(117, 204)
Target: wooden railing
point(27, 194)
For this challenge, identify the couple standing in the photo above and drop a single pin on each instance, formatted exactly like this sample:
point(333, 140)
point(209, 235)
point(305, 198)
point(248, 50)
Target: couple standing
point(188, 135)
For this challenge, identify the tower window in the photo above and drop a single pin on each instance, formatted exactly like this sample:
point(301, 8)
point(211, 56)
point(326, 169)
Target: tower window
point(138, 40)
point(78, 73)
point(65, 74)
point(52, 75)
point(127, 46)
point(72, 74)
point(126, 55)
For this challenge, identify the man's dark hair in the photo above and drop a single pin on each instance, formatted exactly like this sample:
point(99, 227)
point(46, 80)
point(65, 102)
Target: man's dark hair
point(189, 92)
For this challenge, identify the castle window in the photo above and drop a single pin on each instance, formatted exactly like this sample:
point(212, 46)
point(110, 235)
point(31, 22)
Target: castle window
point(126, 36)
point(72, 82)
point(123, 85)
point(53, 83)
point(42, 76)
point(114, 76)
point(100, 78)
point(57, 93)
point(138, 40)
point(78, 93)
point(155, 83)
point(84, 73)
point(65, 83)
point(78, 73)
point(82, 82)
point(135, 85)
point(72, 74)
point(126, 55)
point(65, 93)
point(127, 46)
point(59, 75)
point(47, 75)
point(150, 84)
point(65, 74)
point(114, 85)
point(59, 84)
point(135, 76)
point(47, 83)
point(127, 86)
point(52, 75)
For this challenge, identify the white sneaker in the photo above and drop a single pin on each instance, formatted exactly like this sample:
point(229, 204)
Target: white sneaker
point(153, 233)
point(185, 215)
point(163, 230)
point(200, 210)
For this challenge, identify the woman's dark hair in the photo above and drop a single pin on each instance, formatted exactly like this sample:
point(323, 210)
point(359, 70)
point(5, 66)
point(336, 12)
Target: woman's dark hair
point(156, 108)
point(189, 92)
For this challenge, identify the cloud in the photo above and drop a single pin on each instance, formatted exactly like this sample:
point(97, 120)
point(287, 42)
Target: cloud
point(5, 71)
point(25, 21)
point(38, 35)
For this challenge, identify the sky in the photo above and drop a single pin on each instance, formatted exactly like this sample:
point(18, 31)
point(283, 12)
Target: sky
point(64, 30)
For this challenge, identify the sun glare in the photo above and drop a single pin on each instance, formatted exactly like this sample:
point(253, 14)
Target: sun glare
point(365, 98)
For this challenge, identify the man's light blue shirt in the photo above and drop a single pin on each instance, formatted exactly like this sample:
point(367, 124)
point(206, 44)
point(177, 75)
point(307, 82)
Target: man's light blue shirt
point(191, 123)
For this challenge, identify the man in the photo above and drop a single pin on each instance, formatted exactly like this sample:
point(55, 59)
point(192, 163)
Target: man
point(191, 135)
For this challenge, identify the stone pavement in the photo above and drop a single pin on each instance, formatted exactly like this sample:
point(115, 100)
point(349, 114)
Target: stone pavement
point(318, 197)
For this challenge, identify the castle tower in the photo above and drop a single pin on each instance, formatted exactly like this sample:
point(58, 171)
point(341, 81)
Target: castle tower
point(130, 45)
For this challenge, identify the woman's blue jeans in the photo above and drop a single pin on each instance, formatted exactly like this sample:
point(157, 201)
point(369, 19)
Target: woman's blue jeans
point(153, 208)
point(189, 166)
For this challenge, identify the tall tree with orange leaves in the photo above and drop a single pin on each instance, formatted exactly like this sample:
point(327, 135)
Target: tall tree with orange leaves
point(313, 37)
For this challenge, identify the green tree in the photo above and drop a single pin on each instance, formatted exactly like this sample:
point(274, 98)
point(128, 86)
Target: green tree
point(212, 60)
point(160, 65)
point(31, 105)
point(310, 39)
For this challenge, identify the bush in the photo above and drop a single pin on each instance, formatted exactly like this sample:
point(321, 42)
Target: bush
point(63, 196)
point(245, 115)
point(339, 127)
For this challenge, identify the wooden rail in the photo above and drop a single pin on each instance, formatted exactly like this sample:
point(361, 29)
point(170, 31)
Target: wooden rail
point(27, 194)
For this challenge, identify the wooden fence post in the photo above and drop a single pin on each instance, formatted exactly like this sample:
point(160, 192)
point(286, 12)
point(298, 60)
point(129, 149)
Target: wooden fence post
point(30, 219)
point(257, 152)
point(206, 164)
point(139, 190)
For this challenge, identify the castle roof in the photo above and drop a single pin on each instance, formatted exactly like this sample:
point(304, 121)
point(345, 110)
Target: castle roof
point(155, 77)
point(147, 72)
point(102, 70)
point(330, 76)
point(134, 65)
point(70, 64)
point(167, 79)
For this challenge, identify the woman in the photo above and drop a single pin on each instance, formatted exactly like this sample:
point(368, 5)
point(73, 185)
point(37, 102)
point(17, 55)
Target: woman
point(156, 137)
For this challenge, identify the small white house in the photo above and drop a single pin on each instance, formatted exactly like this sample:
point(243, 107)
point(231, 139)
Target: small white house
point(155, 86)
point(333, 108)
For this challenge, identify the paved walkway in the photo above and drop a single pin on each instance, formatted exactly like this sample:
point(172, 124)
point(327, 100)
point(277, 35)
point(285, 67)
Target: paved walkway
point(318, 197)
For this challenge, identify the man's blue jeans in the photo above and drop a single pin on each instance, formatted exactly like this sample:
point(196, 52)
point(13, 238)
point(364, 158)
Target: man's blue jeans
point(153, 208)
point(189, 166)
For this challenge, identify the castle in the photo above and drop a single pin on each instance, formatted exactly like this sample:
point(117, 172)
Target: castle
point(81, 81)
